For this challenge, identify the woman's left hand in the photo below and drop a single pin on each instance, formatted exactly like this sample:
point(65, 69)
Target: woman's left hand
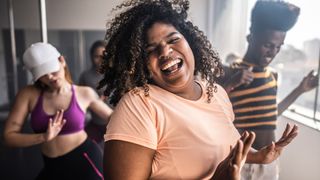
point(270, 153)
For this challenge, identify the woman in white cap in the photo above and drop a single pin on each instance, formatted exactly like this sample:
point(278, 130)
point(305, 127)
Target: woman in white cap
point(57, 108)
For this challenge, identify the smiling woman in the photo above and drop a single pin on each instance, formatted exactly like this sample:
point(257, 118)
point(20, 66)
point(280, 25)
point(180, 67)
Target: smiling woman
point(171, 61)
point(151, 80)
point(140, 49)
point(167, 124)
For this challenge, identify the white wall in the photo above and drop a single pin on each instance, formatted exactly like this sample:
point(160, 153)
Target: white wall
point(301, 159)
point(93, 14)
point(80, 14)
point(26, 14)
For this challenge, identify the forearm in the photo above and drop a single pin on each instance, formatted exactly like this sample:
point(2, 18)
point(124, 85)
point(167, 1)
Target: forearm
point(227, 85)
point(287, 101)
point(228, 88)
point(102, 110)
point(23, 140)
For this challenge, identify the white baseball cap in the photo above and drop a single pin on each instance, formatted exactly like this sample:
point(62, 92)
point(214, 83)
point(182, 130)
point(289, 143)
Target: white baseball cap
point(41, 59)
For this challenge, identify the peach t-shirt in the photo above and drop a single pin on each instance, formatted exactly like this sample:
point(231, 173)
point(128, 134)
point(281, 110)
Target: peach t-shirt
point(190, 137)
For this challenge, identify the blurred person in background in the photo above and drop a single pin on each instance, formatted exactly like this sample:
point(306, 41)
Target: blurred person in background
point(57, 110)
point(252, 85)
point(96, 126)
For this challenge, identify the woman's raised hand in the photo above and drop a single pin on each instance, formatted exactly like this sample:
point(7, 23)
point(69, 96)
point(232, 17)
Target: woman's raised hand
point(271, 152)
point(230, 167)
point(54, 126)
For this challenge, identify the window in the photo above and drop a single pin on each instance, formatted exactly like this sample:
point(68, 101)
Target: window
point(299, 56)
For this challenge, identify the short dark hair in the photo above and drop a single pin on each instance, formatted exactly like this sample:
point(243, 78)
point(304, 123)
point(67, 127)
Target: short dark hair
point(273, 15)
point(95, 45)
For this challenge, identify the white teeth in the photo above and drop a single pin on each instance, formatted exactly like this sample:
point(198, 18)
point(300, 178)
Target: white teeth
point(172, 63)
point(268, 58)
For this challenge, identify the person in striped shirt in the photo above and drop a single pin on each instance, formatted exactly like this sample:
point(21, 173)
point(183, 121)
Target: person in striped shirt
point(252, 84)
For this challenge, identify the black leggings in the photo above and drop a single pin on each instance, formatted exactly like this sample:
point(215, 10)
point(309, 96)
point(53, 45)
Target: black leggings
point(84, 162)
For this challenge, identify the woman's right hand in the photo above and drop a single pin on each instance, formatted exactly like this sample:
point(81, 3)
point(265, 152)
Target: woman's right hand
point(230, 167)
point(54, 126)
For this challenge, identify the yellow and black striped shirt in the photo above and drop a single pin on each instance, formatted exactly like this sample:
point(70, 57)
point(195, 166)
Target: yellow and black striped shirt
point(255, 105)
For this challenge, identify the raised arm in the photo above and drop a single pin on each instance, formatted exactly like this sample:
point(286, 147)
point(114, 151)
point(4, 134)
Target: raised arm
point(97, 105)
point(12, 131)
point(309, 82)
point(271, 152)
point(233, 78)
point(124, 160)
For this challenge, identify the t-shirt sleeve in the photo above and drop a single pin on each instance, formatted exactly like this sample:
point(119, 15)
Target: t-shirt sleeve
point(224, 101)
point(226, 105)
point(133, 121)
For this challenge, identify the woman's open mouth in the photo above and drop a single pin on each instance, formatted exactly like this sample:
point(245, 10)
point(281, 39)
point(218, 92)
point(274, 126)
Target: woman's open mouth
point(171, 67)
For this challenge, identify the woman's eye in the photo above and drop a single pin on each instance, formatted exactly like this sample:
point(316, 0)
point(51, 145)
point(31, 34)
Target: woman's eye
point(150, 50)
point(172, 41)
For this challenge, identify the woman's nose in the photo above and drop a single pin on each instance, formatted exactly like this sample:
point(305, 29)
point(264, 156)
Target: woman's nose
point(49, 76)
point(165, 51)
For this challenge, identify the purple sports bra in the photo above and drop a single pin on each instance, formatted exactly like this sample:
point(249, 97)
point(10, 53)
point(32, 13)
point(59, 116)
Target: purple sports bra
point(75, 117)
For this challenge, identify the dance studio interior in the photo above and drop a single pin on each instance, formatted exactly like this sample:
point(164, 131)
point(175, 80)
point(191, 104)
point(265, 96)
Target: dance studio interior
point(73, 25)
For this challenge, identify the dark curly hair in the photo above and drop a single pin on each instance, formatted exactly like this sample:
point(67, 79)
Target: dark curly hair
point(124, 65)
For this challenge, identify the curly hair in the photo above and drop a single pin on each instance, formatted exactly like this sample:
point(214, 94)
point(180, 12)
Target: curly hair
point(124, 66)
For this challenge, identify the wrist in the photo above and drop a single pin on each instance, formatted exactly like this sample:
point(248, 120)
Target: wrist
point(253, 157)
point(229, 88)
point(299, 89)
point(43, 138)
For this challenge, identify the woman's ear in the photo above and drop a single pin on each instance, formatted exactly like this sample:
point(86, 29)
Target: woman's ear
point(62, 61)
